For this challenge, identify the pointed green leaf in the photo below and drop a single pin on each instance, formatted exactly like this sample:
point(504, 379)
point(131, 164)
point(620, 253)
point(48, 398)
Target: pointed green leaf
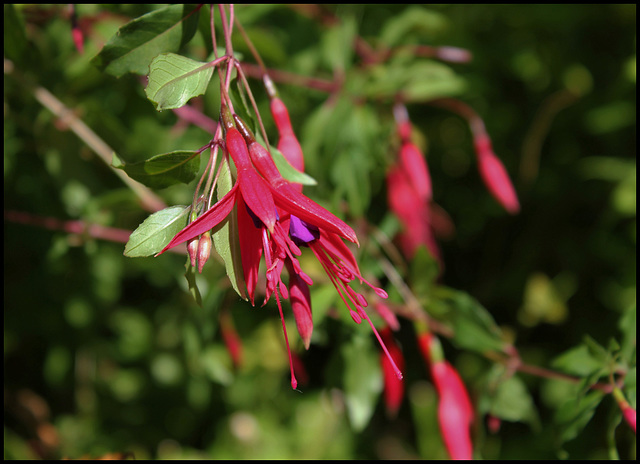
point(576, 413)
point(289, 172)
point(474, 327)
point(512, 402)
point(225, 237)
point(139, 41)
point(156, 231)
point(175, 79)
point(162, 170)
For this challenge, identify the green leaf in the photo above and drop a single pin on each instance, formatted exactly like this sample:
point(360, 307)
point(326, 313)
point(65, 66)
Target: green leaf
point(139, 41)
point(289, 172)
point(225, 236)
point(576, 413)
point(163, 170)
point(15, 37)
point(175, 79)
point(337, 44)
point(578, 361)
point(156, 231)
point(512, 402)
point(474, 327)
point(426, 23)
point(362, 380)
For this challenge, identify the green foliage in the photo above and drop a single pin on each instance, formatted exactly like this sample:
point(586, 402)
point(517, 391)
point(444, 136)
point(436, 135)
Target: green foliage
point(107, 354)
point(175, 79)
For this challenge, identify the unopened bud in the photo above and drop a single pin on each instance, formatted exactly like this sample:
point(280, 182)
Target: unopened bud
point(192, 248)
point(495, 175)
point(204, 250)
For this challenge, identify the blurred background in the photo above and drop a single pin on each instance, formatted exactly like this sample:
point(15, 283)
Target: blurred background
point(107, 354)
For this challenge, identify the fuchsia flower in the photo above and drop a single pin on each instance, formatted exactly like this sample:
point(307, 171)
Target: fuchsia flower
point(628, 412)
point(494, 174)
point(630, 416)
point(393, 387)
point(455, 412)
point(274, 219)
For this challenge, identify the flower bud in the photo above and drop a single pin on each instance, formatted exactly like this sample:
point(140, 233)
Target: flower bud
point(192, 249)
point(455, 412)
point(495, 175)
point(204, 250)
point(414, 165)
point(393, 386)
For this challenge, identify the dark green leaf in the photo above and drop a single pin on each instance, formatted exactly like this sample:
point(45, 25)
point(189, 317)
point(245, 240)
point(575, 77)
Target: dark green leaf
point(175, 79)
point(139, 41)
point(163, 170)
point(474, 327)
point(513, 402)
point(15, 38)
point(576, 413)
point(156, 231)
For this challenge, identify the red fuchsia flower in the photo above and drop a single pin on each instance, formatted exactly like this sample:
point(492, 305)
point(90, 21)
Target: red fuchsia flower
point(630, 416)
point(455, 412)
point(409, 192)
point(628, 412)
point(413, 213)
point(494, 174)
point(288, 142)
point(393, 387)
point(231, 339)
point(266, 207)
point(325, 241)
point(292, 151)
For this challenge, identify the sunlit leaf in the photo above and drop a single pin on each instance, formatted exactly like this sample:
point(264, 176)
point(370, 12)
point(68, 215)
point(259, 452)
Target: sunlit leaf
point(156, 231)
point(140, 40)
point(175, 79)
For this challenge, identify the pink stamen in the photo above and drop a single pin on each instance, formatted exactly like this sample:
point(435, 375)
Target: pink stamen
point(384, 348)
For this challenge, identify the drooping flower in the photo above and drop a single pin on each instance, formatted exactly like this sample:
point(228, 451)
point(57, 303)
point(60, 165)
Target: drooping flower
point(324, 239)
point(274, 218)
point(409, 192)
point(455, 412)
point(494, 174)
point(393, 387)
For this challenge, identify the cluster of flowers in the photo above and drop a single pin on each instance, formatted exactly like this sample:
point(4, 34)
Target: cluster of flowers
point(274, 221)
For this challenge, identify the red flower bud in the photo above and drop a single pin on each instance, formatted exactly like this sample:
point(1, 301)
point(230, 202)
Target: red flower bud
point(393, 386)
point(630, 416)
point(495, 175)
point(231, 339)
point(204, 250)
point(455, 412)
point(288, 143)
point(415, 167)
point(192, 249)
